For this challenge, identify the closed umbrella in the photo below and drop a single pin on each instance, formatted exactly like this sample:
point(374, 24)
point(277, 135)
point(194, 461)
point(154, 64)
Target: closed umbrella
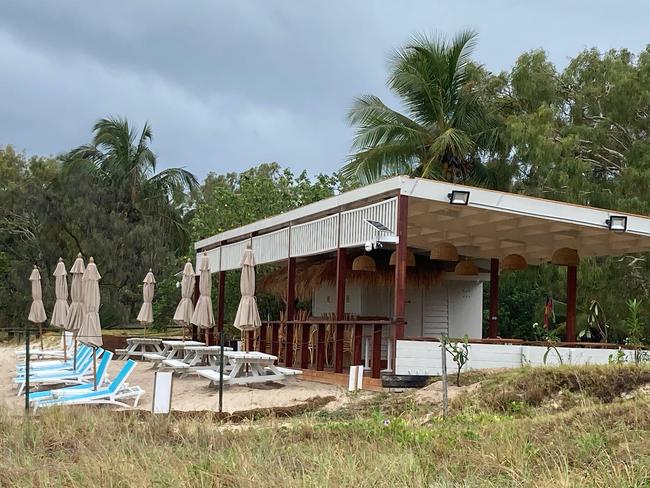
point(185, 308)
point(77, 308)
point(203, 316)
point(91, 330)
point(61, 306)
point(248, 316)
point(145, 316)
point(37, 310)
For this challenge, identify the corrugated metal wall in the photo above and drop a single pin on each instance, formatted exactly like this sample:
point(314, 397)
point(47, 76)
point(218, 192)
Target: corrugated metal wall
point(355, 232)
point(271, 247)
point(315, 237)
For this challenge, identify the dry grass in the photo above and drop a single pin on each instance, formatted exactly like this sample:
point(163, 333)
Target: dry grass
point(601, 441)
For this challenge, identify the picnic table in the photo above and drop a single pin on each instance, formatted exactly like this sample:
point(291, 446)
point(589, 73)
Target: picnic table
point(170, 350)
point(138, 347)
point(196, 358)
point(249, 367)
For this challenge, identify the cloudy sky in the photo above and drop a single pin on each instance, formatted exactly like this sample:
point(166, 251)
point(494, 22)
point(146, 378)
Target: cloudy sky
point(229, 84)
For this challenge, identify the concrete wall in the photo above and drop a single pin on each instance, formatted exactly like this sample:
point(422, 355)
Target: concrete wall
point(425, 358)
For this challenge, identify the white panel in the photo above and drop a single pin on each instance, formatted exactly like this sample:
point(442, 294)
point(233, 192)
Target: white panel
point(355, 232)
point(231, 255)
point(465, 309)
point(162, 392)
point(315, 237)
point(271, 247)
point(213, 258)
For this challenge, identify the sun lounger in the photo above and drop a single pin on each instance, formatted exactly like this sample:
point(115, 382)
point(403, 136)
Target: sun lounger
point(113, 394)
point(68, 377)
point(102, 370)
point(54, 363)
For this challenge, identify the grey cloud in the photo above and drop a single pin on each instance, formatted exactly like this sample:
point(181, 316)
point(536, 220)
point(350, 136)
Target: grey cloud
point(229, 84)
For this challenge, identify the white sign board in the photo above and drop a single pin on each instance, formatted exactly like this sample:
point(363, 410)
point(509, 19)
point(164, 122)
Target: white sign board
point(162, 392)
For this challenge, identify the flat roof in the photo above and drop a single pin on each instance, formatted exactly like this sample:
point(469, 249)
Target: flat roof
point(492, 224)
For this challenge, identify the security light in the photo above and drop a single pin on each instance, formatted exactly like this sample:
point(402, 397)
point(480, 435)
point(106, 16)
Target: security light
point(617, 223)
point(378, 226)
point(458, 197)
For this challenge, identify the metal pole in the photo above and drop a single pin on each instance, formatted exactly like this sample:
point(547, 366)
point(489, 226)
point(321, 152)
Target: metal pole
point(74, 361)
point(222, 338)
point(27, 369)
point(95, 367)
point(445, 400)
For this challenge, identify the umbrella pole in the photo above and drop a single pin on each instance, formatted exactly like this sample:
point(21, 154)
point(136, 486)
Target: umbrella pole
point(27, 372)
point(40, 333)
point(221, 341)
point(65, 346)
point(74, 365)
point(95, 367)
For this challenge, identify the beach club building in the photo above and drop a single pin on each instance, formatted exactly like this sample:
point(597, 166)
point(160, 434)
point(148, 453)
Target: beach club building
point(390, 267)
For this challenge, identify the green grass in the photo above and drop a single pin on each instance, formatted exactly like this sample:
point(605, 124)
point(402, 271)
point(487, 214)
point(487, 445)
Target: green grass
point(598, 440)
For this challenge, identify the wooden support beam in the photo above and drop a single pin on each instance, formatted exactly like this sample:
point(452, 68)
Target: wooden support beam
point(250, 339)
point(571, 295)
point(263, 338)
point(275, 342)
point(399, 306)
point(358, 344)
point(291, 311)
point(341, 268)
point(376, 351)
point(493, 327)
point(320, 347)
point(221, 303)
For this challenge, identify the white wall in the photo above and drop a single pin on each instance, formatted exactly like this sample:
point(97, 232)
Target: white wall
point(425, 358)
point(465, 309)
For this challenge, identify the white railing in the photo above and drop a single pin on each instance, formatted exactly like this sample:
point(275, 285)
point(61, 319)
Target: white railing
point(355, 231)
point(315, 237)
point(231, 254)
point(213, 258)
point(271, 247)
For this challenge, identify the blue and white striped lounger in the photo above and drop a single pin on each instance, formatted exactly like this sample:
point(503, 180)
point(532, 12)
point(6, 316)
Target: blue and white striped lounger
point(113, 394)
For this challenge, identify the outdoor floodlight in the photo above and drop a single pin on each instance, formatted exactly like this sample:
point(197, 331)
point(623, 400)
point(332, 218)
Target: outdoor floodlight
point(458, 197)
point(617, 223)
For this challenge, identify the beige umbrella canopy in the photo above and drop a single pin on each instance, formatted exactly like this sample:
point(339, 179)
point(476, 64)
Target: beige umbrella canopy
point(90, 331)
point(185, 308)
point(77, 308)
point(248, 316)
point(61, 307)
point(203, 316)
point(37, 310)
point(145, 316)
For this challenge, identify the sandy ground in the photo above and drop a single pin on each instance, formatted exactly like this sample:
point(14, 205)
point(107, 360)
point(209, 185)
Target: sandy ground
point(191, 392)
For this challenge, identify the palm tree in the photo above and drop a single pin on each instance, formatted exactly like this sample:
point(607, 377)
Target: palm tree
point(122, 160)
point(447, 132)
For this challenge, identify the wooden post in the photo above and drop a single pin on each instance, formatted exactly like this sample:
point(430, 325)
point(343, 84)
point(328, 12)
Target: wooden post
point(320, 347)
point(275, 342)
point(571, 292)
point(341, 268)
point(263, 338)
point(221, 302)
point(493, 327)
point(195, 299)
point(376, 351)
point(291, 299)
point(399, 307)
point(358, 340)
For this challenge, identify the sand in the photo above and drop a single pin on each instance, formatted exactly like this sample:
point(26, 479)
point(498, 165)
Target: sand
point(192, 392)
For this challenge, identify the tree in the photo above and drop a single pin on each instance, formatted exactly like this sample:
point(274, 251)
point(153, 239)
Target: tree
point(122, 160)
point(447, 133)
